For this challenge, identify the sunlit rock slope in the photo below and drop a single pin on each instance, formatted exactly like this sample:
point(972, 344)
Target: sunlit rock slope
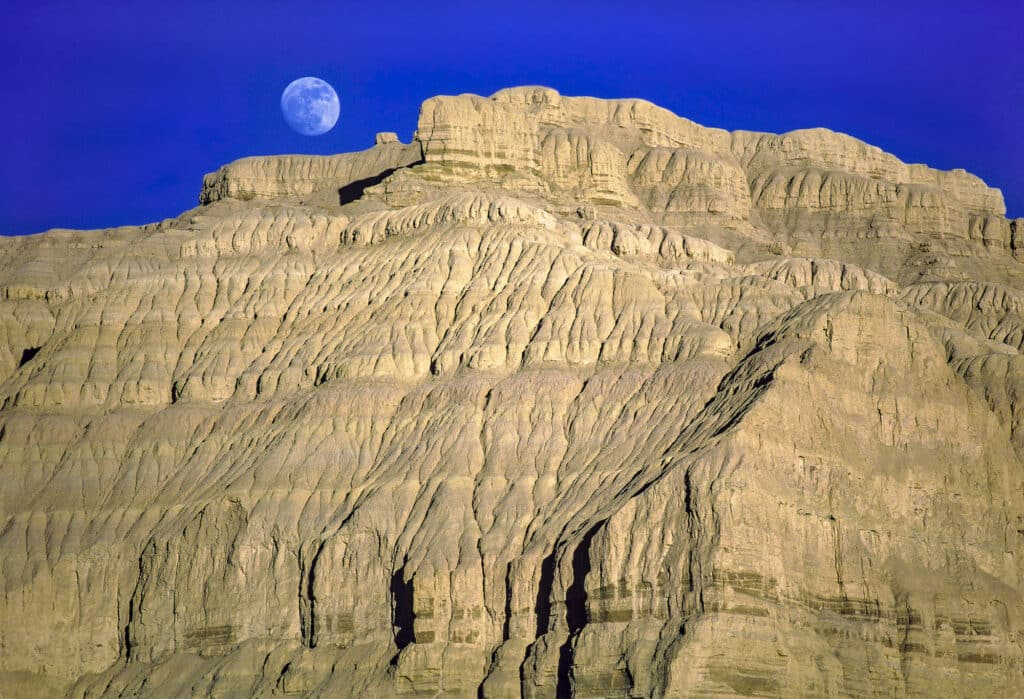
point(566, 397)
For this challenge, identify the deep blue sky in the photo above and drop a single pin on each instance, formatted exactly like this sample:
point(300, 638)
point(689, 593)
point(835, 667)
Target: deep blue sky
point(114, 111)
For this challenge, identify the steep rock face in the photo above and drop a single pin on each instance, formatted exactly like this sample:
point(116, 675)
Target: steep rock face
point(297, 175)
point(568, 397)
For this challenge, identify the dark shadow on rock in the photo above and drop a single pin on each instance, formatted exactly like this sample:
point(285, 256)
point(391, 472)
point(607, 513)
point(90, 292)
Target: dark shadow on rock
point(506, 630)
point(354, 190)
point(403, 615)
point(27, 354)
point(542, 608)
point(544, 585)
point(575, 610)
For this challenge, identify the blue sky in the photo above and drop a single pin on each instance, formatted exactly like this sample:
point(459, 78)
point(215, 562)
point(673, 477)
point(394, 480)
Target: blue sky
point(114, 111)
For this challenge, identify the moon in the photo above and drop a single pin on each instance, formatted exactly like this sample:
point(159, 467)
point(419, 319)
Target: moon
point(310, 106)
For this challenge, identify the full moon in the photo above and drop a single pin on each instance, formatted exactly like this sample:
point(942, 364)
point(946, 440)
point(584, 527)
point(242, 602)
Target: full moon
point(310, 106)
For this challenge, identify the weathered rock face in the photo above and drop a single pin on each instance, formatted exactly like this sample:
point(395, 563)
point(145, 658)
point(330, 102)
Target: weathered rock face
point(566, 397)
point(304, 175)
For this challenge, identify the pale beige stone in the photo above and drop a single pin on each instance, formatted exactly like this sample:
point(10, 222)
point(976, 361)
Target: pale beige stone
point(568, 397)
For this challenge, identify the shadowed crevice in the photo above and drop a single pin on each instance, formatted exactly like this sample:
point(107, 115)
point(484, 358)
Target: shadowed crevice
point(575, 610)
point(542, 608)
point(354, 190)
point(402, 616)
point(27, 354)
point(307, 598)
point(506, 627)
point(544, 586)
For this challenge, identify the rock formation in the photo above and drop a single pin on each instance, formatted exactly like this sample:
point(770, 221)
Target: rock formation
point(567, 397)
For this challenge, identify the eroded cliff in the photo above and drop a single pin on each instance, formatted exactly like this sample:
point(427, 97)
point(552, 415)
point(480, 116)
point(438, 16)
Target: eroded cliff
point(566, 397)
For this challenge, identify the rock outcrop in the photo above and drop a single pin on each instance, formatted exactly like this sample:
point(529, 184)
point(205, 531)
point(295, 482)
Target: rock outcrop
point(567, 397)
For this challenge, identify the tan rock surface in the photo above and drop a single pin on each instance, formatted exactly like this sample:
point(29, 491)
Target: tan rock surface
point(567, 397)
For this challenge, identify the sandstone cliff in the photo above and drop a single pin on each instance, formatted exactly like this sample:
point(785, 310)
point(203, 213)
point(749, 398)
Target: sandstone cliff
point(567, 397)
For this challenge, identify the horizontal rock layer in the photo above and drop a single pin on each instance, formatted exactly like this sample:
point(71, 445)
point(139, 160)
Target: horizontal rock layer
point(568, 397)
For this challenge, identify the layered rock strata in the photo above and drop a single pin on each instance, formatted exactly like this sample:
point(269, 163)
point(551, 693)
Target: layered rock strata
point(567, 397)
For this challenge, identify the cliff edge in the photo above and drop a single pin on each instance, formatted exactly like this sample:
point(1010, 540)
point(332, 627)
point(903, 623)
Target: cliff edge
point(565, 397)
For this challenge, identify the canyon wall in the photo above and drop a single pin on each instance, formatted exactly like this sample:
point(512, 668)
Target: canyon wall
point(567, 397)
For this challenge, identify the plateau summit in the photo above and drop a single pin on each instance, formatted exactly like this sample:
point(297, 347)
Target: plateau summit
point(566, 397)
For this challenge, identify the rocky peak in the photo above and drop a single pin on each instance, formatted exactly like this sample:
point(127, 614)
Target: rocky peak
point(566, 397)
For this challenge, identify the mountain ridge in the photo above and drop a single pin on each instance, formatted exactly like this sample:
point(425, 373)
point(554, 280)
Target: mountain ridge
point(565, 397)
